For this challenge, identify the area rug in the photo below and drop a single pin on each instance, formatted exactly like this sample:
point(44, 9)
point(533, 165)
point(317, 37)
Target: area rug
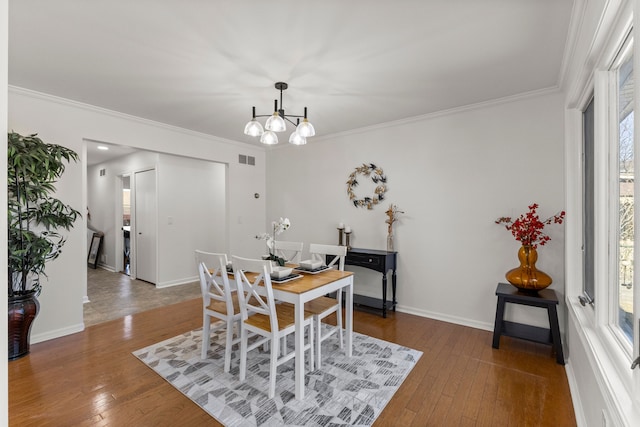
point(346, 391)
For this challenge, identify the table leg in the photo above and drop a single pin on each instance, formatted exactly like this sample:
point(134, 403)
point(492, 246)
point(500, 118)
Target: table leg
point(299, 348)
point(497, 327)
point(348, 313)
point(384, 294)
point(393, 289)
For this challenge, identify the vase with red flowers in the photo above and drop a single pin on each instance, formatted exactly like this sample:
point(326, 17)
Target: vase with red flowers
point(528, 229)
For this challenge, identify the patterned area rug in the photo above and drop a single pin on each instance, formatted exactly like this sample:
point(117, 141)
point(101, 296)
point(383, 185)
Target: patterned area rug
point(346, 391)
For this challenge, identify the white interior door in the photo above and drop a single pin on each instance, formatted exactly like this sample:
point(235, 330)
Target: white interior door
point(145, 225)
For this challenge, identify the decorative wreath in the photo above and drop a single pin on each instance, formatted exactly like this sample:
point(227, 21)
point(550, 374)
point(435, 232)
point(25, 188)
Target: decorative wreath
point(378, 178)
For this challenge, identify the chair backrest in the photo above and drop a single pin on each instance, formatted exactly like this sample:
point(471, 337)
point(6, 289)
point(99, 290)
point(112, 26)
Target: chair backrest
point(249, 275)
point(291, 251)
point(214, 281)
point(320, 252)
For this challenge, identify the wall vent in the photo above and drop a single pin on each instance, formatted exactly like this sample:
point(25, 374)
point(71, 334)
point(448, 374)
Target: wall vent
point(246, 160)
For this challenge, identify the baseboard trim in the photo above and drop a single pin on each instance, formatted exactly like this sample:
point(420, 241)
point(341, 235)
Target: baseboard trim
point(177, 282)
point(57, 333)
point(445, 318)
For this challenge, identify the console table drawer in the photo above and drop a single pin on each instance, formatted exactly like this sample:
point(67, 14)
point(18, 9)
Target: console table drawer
point(364, 260)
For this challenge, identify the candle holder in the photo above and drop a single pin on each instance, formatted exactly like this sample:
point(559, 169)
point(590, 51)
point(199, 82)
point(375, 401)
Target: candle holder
point(348, 234)
point(340, 235)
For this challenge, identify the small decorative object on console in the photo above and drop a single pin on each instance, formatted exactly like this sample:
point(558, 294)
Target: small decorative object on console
point(392, 213)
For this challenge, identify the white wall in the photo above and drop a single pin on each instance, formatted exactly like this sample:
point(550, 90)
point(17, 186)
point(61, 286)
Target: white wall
point(191, 215)
point(453, 174)
point(190, 191)
point(68, 123)
point(4, 50)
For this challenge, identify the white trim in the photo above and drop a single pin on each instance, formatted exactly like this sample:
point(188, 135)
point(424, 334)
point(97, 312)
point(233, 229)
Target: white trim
point(92, 108)
point(177, 282)
point(57, 333)
point(575, 395)
point(575, 25)
point(618, 399)
point(437, 114)
point(445, 318)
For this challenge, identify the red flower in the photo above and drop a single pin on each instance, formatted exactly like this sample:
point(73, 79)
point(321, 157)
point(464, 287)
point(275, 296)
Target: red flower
point(527, 229)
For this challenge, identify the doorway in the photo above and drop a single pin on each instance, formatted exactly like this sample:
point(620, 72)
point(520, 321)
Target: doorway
point(126, 224)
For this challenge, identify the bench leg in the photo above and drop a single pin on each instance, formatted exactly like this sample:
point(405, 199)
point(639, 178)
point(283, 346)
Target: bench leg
point(497, 327)
point(555, 334)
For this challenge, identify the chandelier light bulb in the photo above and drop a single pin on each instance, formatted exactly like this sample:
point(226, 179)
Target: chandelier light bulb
point(297, 139)
point(269, 138)
point(306, 129)
point(253, 128)
point(277, 122)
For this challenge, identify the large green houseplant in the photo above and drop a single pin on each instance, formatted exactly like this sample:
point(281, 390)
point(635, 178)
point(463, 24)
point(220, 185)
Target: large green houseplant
point(34, 218)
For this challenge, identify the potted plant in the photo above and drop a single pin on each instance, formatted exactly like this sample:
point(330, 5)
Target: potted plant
point(34, 218)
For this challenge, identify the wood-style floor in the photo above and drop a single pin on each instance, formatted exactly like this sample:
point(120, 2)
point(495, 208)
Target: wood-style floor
point(92, 379)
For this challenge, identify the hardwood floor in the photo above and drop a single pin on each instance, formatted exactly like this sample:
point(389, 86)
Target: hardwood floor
point(92, 379)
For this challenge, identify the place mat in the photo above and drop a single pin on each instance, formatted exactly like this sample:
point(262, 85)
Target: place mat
point(347, 391)
point(313, 270)
point(286, 278)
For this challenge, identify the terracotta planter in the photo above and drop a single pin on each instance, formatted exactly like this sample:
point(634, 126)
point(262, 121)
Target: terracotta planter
point(527, 277)
point(22, 311)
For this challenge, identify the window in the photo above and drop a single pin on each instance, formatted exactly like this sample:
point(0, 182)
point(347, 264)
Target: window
point(625, 239)
point(588, 244)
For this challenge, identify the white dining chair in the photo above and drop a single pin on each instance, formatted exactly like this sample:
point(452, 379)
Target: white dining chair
point(219, 301)
point(323, 306)
point(262, 316)
point(290, 251)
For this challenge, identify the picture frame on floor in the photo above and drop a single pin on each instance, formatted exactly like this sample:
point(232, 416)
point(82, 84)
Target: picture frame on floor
point(94, 249)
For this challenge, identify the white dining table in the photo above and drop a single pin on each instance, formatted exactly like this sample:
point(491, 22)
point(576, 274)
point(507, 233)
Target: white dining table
point(307, 288)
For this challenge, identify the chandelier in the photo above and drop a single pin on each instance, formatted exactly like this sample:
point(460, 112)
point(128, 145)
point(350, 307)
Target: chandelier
point(277, 122)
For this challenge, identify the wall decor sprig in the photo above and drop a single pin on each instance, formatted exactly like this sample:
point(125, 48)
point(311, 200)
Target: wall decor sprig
point(377, 176)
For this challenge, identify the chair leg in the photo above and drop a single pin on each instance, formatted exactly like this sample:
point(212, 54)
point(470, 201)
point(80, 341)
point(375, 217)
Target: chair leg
point(318, 337)
point(243, 353)
point(312, 338)
point(206, 335)
point(273, 366)
point(339, 317)
point(229, 344)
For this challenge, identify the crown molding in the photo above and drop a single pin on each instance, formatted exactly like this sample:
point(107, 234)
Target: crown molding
point(443, 113)
point(94, 109)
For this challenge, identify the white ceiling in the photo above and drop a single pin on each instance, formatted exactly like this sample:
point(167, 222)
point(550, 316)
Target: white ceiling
point(202, 64)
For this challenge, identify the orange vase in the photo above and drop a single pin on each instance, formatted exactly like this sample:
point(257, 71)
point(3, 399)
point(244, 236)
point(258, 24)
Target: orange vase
point(527, 277)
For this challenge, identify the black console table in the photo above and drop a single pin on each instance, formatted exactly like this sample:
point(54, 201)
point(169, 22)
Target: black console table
point(545, 298)
point(381, 261)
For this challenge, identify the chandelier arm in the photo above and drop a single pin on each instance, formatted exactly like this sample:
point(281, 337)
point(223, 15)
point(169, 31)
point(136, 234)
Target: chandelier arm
point(289, 120)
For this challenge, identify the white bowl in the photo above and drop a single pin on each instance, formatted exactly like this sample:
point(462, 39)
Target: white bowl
point(280, 272)
point(309, 264)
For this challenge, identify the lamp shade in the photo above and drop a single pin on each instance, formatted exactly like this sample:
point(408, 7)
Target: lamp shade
point(297, 139)
point(253, 128)
point(276, 123)
point(306, 129)
point(269, 138)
